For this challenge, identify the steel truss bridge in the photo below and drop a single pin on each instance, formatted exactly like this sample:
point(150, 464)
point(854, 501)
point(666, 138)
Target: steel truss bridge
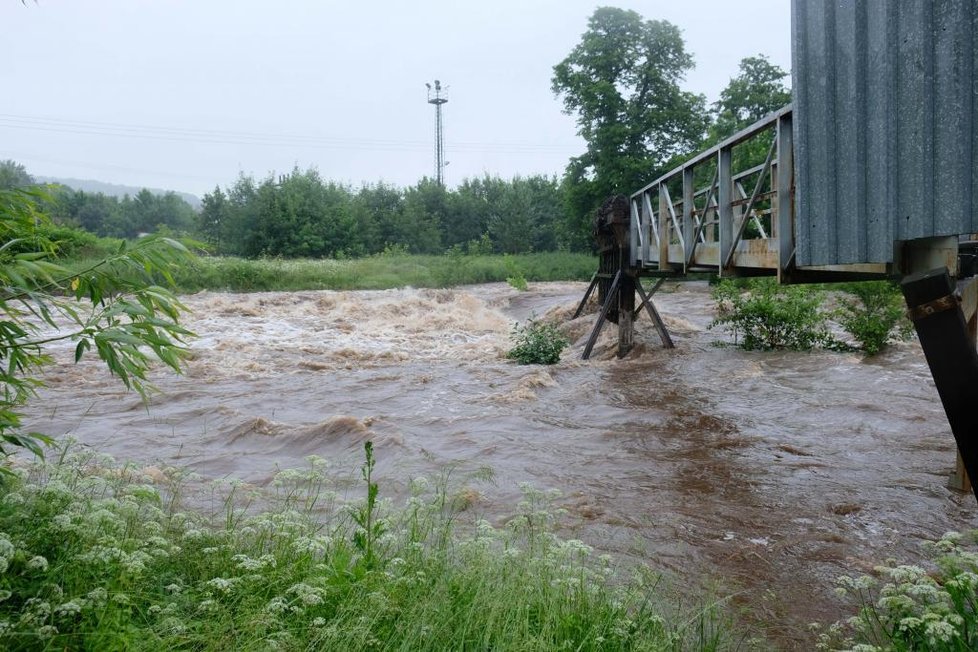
point(725, 212)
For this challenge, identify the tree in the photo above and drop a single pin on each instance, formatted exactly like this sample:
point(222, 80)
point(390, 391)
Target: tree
point(14, 175)
point(425, 212)
point(378, 211)
point(754, 93)
point(212, 221)
point(622, 83)
point(751, 95)
point(300, 215)
point(113, 308)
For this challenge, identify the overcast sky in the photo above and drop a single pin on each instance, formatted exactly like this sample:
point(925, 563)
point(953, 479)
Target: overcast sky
point(185, 94)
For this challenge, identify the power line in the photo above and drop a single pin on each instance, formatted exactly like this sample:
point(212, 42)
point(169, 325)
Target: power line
point(220, 137)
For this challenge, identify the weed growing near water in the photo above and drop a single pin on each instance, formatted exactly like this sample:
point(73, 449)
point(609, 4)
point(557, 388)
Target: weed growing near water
point(98, 556)
point(536, 342)
point(908, 607)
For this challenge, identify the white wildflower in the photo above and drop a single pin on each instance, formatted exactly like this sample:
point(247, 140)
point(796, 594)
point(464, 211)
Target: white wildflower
point(46, 632)
point(71, 608)
point(37, 562)
point(222, 585)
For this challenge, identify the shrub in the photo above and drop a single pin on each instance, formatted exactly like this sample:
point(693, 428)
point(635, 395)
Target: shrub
point(769, 316)
point(875, 316)
point(537, 342)
point(514, 275)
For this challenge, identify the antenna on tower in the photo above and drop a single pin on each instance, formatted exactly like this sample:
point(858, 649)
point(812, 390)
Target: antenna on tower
point(437, 98)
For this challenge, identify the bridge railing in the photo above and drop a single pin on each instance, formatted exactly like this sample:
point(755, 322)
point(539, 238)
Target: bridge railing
point(728, 209)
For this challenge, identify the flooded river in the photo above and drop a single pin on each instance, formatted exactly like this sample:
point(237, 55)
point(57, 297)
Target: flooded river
point(772, 473)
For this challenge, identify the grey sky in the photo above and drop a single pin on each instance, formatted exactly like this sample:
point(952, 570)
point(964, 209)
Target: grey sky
point(184, 94)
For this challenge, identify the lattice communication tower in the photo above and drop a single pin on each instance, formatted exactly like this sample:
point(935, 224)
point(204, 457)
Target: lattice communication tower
point(436, 97)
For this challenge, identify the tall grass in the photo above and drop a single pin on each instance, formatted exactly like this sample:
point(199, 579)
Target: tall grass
point(97, 556)
point(375, 272)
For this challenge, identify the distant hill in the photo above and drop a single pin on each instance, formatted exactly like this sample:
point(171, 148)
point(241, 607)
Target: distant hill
point(114, 189)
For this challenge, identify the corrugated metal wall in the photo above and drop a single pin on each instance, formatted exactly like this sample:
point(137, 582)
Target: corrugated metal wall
point(885, 121)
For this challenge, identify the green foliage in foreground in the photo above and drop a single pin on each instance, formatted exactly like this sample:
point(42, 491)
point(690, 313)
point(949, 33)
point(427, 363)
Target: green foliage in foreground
point(910, 607)
point(93, 557)
point(381, 272)
point(537, 342)
point(763, 315)
point(112, 306)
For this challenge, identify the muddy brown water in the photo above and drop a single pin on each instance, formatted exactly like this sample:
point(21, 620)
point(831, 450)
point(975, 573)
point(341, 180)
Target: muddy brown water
point(771, 473)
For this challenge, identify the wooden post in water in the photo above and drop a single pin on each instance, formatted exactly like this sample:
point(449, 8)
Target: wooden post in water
point(626, 313)
point(951, 355)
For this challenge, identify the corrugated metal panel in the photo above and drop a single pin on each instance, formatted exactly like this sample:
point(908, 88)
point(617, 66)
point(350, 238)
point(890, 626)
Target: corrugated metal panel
point(885, 119)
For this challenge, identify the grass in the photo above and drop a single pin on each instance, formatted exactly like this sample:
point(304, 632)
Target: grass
point(375, 272)
point(94, 555)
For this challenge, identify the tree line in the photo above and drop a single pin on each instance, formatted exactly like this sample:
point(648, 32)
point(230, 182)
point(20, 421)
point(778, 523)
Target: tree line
point(621, 82)
point(301, 214)
point(105, 215)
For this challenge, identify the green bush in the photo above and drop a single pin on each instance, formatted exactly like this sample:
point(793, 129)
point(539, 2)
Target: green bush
point(536, 342)
point(875, 316)
point(514, 275)
point(769, 316)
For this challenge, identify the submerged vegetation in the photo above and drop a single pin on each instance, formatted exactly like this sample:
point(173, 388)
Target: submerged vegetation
point(769, 316)
point(765, 316)
point(96, 556)
point(537, 342)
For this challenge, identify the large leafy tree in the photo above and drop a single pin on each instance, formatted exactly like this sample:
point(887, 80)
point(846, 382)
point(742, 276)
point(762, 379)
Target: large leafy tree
point(755, 92)
point(622, 82)
point(212, 221)
point(113, 307)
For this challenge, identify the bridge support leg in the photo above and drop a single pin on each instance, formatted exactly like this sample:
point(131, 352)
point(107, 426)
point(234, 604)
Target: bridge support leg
point(587, 295)
point(968, 291)
point(951, 356)
point(626, 314)
point(660, 326)
point(599, 324)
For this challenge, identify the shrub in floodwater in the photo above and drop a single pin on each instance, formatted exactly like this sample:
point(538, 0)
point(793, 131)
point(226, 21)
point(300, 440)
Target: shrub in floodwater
point(908, 607)
point(536, 342)
point(514, 275)
point(95, 556)
point(769, 316)
point(874, 316)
